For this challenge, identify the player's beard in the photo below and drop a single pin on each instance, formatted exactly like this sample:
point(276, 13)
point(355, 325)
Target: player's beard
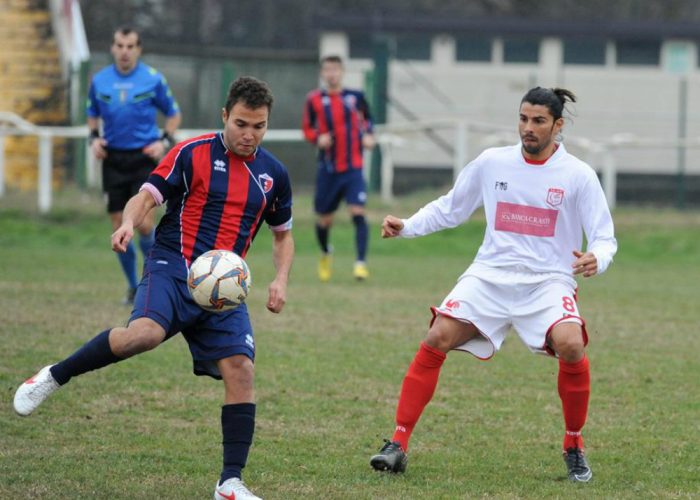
point(533, 149)
point(536, 147)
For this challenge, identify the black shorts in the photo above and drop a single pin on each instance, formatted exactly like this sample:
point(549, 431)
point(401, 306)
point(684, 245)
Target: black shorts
point(123, 173)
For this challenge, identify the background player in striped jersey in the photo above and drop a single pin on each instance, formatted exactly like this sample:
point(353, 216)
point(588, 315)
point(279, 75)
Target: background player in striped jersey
point(337, 120)
point(126, 96)
point(219, 189)
point(538, 200)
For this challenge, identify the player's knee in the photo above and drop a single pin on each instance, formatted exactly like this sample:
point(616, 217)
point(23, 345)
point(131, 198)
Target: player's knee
point(237, 368)
point(440, 338)
point(447, 333)
point(138, 337)
point(568, 343)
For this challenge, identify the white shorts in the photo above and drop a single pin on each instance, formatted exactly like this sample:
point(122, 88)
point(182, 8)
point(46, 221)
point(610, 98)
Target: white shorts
point(532, 309)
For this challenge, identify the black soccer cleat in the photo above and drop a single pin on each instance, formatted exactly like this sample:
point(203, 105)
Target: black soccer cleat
point(579, 471)
point(391, 458)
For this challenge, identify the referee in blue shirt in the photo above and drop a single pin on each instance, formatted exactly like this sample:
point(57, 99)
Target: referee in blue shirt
point(125, 96)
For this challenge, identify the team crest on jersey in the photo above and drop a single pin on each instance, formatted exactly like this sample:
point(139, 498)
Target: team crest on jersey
point(555, 196)
point(265, 182)
point(350, 101)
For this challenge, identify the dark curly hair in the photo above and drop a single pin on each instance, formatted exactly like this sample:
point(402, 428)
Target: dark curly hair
point(250, 91)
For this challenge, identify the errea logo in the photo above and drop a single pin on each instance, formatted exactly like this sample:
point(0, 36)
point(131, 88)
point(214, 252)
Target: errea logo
point(220, 165)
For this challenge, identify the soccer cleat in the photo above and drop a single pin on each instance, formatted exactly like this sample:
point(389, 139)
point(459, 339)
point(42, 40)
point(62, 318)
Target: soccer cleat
point(128, 299)
point(233, 489)
point(34, 391)
point(324, 267)
point(390, 458)
point(360, 271)
point(579, 471)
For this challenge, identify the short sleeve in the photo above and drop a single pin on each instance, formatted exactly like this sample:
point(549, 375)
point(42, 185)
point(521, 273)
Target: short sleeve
point(169, 178)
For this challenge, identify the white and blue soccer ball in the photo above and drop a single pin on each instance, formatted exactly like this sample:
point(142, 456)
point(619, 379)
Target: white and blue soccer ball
point(219, 280)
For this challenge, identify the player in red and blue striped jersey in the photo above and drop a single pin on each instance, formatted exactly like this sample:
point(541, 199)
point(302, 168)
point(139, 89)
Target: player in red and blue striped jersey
point(338, 121)
point(219, 189)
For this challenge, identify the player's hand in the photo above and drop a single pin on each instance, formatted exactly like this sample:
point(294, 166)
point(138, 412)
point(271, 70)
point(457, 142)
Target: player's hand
point(585, 263)
point(277, 296)
point(324, 140)
point(98, 147)
point(368, 141)
point(122, 236)
point(391, 226)
point(155, 150)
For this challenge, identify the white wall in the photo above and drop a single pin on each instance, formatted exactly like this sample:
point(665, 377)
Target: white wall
point(640, 100)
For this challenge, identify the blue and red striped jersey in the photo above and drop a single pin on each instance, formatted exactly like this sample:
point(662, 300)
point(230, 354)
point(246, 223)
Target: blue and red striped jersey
point(216, 199)
point(347, 117)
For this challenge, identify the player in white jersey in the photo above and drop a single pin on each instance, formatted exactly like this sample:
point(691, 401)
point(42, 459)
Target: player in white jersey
point(538, 200)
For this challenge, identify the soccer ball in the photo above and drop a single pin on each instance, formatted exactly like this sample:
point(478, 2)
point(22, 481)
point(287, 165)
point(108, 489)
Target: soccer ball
point(219, 280)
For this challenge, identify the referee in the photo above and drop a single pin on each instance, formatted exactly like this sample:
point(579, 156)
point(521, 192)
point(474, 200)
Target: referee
point(125, 96)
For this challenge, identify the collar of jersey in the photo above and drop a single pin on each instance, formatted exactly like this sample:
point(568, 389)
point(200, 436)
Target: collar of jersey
point(540, 162)
point(126, 75)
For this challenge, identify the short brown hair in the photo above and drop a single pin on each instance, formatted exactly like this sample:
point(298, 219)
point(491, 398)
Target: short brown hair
point(127, 30)
point(332, 59)
point(252, 92)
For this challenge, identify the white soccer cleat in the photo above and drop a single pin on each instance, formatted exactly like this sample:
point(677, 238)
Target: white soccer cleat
point(34, 391)
point(233, 489)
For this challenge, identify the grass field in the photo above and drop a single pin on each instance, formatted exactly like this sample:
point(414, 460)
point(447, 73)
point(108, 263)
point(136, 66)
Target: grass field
point(329, 370)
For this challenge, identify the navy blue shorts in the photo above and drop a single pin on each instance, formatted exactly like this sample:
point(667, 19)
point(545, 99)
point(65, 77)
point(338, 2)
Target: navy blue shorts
point(331, 187)
point(163, 297)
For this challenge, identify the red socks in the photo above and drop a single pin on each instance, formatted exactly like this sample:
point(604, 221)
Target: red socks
point(574, 391)
point(417, 390)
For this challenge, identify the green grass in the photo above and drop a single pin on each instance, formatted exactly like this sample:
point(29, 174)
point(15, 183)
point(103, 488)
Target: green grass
point(329, 369)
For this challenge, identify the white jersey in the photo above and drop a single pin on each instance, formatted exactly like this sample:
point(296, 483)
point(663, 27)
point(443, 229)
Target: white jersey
point(535, 214)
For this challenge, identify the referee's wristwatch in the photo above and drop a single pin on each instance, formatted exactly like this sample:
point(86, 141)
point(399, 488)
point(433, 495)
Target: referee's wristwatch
point(168, 140)
point(94, 134)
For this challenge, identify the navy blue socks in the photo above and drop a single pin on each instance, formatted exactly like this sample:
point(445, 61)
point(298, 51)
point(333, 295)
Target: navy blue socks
point(322, 237)
point(128, 263)
point(93, 355)
point(361, 236)
point(237, 426)
point(146, 243)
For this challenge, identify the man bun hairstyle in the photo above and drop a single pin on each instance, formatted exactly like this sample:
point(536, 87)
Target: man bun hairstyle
point(555, 99)
point(250, 91)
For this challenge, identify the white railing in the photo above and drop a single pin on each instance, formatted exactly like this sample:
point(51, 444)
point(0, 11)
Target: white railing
point(13, 125)
point(402, 144)
point(393, 140)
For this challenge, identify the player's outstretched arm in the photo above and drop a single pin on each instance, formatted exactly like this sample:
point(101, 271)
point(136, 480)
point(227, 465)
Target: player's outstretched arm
point(134, 212)
point(585, 263)
point(282, 257)
point(391, 226)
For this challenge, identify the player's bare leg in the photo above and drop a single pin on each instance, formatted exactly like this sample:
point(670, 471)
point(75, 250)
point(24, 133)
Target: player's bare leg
point(357, 213)
point(567, 341)
point(325, 263)
point(237, 425)
point(419, 386)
